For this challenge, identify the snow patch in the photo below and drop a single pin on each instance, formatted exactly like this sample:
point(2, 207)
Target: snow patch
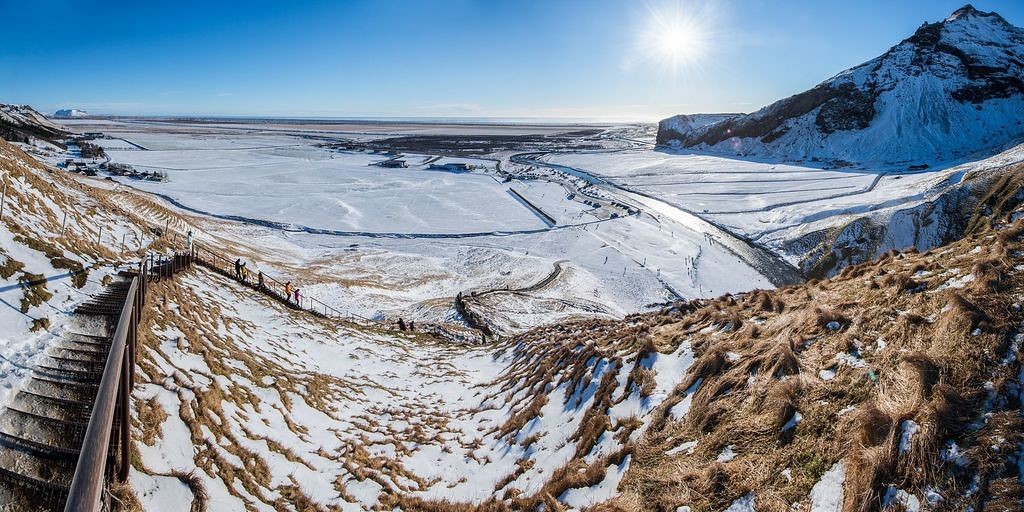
point(827, 494)
point(728, 454)
point(908, 428)
point(744, 504)
point(602, 491)
point(791, 424)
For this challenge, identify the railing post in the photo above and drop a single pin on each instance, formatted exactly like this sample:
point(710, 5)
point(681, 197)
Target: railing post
point(126, 422)
point(133, 334)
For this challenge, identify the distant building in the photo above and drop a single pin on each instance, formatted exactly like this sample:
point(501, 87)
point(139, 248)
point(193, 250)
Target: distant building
point(394, 163)
point(452, 167)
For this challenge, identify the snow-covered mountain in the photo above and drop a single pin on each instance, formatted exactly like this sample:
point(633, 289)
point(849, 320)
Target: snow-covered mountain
point(953, 89)
point(21, 123)
point(70, 113)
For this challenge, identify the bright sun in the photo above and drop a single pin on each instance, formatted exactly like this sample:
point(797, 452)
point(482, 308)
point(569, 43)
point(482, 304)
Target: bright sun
point(676, 36)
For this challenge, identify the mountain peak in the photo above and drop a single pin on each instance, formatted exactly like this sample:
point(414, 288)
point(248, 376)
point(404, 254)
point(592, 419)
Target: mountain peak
point(969, 11)
point(952, 89)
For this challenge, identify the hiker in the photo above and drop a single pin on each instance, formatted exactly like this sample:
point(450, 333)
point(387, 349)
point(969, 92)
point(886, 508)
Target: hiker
point(238, 268)
point(259, 275)
point(288, 291)
point(245, 274)
point(298, 300)
point(190, 241)
point(401, 324)
point(412, 325)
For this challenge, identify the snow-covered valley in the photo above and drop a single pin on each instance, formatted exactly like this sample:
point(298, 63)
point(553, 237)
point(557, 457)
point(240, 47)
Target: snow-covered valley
point(815, 306)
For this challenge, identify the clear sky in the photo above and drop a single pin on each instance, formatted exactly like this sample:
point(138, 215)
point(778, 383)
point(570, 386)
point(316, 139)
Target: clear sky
point(601, 59)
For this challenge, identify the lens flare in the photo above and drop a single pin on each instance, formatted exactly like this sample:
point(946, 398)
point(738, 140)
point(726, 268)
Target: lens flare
point(677, 35)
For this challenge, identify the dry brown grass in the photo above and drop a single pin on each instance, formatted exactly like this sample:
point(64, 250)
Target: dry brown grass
point(8, 266)
point(941, 349)
point(150, 416)
point(124, 498)
point(40, 324)
point(34, 290)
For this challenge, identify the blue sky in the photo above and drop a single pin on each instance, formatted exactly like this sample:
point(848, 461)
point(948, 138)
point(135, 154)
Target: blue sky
point(439, 58)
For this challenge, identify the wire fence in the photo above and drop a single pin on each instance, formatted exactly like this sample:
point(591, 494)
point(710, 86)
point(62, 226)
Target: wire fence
point(283, 292)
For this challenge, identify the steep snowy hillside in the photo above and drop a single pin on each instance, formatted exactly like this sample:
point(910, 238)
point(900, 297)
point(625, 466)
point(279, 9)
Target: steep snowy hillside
point(825, 396)
point(21, 123)
point(951, 90)
point(59, 243)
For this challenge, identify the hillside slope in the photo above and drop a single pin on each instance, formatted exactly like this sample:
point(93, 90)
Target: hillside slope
point(952, 89)
point(60, 242)
point(21, 123)
point(829, 395)
point(895, 383)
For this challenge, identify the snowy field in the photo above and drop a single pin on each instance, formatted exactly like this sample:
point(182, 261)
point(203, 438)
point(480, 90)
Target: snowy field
point(611, 269)
point(298, 183)
point(391, 243)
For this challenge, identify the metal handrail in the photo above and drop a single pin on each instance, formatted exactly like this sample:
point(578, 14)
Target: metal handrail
point(224, 265)
point(87, 484)
point(270, 289)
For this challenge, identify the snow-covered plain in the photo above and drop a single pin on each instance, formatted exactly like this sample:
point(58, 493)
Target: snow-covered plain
point(387, 243)
point(326, 189)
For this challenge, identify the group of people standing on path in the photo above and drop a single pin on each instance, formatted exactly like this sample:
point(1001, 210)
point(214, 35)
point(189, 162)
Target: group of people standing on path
point(242, 274)
point(292, 295)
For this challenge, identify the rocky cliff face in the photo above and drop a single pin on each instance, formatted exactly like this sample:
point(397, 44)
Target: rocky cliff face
point(953, 89)
point(684, 125)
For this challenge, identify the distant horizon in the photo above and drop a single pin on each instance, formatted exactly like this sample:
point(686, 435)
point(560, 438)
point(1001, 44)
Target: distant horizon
point(368, 119)
point(614, 61)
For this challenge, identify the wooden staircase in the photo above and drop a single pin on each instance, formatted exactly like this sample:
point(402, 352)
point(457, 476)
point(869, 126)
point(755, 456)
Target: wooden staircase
point(53, 452)
point(42, 429)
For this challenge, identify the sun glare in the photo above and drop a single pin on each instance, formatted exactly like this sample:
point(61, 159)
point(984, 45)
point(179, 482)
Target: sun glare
point(676, 35)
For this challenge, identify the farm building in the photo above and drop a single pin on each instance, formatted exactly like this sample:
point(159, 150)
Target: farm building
point(452, 167)
point(394, 163)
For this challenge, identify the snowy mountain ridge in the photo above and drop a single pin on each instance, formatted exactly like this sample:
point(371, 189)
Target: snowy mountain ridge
point(951, 90)
point(21, 123)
